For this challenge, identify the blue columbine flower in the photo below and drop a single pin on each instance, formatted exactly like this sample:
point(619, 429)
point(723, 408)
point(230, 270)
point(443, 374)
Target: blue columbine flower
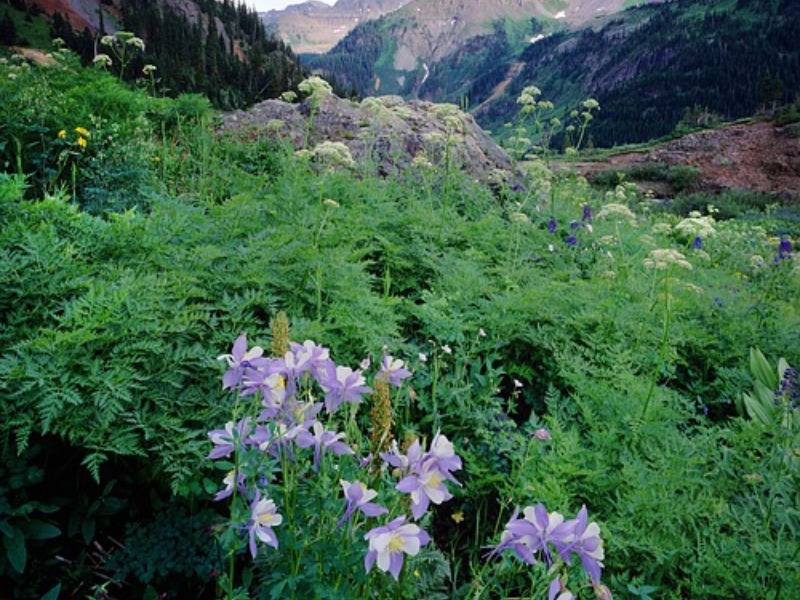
point(388, 544)
point(359, 497)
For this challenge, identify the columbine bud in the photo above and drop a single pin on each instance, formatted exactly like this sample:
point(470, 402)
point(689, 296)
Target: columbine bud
point(542, 434)
point(602, 592)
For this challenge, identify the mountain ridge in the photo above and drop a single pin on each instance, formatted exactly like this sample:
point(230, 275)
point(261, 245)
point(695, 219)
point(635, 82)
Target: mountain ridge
point(646, 65)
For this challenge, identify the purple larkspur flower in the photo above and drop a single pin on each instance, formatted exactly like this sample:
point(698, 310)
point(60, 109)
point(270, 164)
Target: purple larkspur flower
point(359, 497)
point(239, 360)
point(552, 225)
point(586, 215)
point(342, 384)
point(574, 225)
point(389, 544)
point(263, 517)
point(393, 370)
point(697, 244)
point(322, 441)
point(789, 388)
point(571, 240)
point(784, 250)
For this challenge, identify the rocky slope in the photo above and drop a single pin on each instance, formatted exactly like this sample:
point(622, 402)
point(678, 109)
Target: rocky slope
point(387, 131)
point(757, 156)
point(441, 25)
point(314, 27)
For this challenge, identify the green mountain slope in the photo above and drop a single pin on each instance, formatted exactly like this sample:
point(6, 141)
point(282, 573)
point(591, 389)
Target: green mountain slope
point(646, 65)
point(216, 48)
point(647, 68)
point(436, 50)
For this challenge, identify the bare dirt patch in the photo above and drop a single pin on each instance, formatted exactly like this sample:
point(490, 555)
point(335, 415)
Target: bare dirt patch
point(757, 156)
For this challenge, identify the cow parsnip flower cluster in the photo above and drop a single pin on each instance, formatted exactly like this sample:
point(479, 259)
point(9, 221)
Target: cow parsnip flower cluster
point(663, 258)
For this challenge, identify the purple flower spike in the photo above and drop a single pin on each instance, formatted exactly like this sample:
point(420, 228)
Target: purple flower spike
point(358, 498)
point(572, 241)
point(552, 225)
point(342, 384)
point(784, 250)
point(587, 213)
point(263, 517)
point(393, 370)
point(388, 544)
point(239, 360)
point(697, 244)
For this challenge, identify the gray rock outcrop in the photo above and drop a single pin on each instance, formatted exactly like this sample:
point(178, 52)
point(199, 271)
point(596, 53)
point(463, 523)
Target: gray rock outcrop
point(387, 132)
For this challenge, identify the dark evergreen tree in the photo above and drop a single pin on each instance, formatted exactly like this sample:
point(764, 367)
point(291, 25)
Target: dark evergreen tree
point(8, 31)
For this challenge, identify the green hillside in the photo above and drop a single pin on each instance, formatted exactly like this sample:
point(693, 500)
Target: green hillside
point(648, 68)
point(235, 66)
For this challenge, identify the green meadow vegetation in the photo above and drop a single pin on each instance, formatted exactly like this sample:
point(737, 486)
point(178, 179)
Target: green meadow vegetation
point(537, 344)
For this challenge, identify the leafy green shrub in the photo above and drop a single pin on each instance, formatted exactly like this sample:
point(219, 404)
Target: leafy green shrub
point(174, 553)
point(728, 204)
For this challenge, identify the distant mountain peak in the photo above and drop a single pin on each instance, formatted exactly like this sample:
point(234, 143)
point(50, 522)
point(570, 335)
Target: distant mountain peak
point(314, 27)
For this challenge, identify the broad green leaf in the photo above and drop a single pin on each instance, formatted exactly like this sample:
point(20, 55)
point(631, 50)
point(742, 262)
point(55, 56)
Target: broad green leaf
point(782, 366)
point(39, 530)
point(87, 529)
point(15, 550)
point(6, 529)
point(52, 593)
point(756, 410)
point(764, 394)
point(761, 369)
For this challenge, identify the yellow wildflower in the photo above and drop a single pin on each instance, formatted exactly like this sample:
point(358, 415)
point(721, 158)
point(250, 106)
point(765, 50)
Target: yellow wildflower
point(62, 134)
point(82, 142)
point(83, 133)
